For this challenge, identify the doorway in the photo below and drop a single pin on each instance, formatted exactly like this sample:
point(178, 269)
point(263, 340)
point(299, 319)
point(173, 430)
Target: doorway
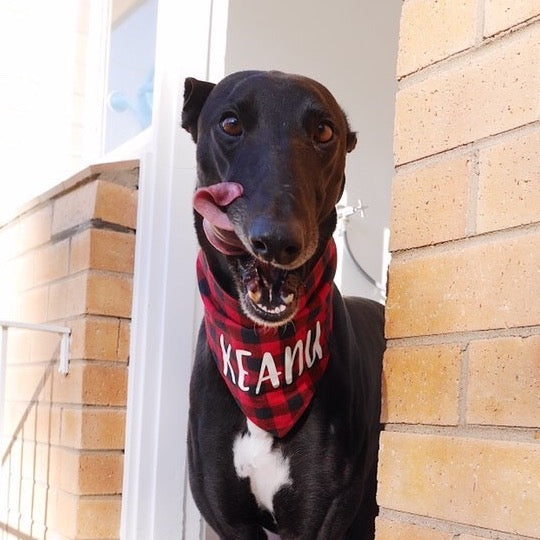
point(351, 47)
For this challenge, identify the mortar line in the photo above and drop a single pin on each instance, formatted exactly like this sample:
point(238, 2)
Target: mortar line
point(473, 191)
point(463, 387)
point(446, 526)
point(459, 58)
point(463, 149)
point(496, 434)
point(463, 337)
point(481, 239)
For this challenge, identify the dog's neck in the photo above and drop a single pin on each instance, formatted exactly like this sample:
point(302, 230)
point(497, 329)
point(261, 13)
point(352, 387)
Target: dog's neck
point(271, 371)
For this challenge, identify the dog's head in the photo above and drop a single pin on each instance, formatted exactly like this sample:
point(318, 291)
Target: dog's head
point(271, 153)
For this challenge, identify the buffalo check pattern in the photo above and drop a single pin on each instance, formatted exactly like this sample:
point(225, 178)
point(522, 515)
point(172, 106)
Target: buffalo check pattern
point(271, 371)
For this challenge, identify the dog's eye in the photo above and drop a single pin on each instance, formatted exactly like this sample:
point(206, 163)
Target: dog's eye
point(323, 132)
point(231, 126)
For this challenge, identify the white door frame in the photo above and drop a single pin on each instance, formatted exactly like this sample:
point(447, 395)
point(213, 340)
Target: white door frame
point(156, 504)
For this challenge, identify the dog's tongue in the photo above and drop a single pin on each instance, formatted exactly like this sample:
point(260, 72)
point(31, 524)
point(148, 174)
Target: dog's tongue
point(210, 203)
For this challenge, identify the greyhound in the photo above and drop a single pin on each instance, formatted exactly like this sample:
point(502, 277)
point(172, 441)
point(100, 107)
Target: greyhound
point(285, 388)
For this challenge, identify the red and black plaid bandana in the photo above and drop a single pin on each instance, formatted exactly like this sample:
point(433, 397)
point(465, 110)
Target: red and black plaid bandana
point(271, 372)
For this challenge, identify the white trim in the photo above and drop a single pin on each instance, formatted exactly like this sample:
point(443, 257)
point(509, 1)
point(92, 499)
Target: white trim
point(55, 329)
point(154, 503)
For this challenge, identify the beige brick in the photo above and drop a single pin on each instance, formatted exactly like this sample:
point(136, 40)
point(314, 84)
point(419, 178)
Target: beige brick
point(44, 346)
point(116, 204)
point(68, 388)
point(125, 173)
point(87, 473)
point(421, 385)
point(29, 382)
point(101, 473)
point(25, 501)
point(62, 513)
point(476, 286)
point(504, 382)
point(493, 90)
point(15, 276)
point(509, 184)
point(104, 385)
point(486, 483)
point(74, 208)
point(96, 293)
point(10, 244)
point(451, 28)
point(503, 14)
point(392, 530)
point(109, 294)
point(80, 251)
point(16, 414)
point(95, 338)
point(124, 341)
point(18, 274)
point(93, 428)
point(62, 469)
point(429, 204)
point(71, 516)
point(48, 423)
point(33, 305)
point(35, 228)
point(67, 298)
point(29, 452)
point(18, 346)
point(39, 509)
point(51, 262)
point(124, 336)
point(101, 249)
point(99, 517)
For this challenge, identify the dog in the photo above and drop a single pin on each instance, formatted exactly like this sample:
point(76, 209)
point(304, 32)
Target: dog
point(284, 416)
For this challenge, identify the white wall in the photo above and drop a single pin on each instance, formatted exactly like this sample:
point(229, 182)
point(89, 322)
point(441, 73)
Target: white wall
point(351, 47)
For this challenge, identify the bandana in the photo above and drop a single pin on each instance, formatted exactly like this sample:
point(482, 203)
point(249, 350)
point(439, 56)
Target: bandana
point(271, 371)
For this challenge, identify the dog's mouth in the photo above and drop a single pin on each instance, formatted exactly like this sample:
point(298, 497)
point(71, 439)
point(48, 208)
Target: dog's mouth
point(268, 294)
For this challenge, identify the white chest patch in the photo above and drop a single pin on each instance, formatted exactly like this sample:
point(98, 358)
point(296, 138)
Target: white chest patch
point(266, 468)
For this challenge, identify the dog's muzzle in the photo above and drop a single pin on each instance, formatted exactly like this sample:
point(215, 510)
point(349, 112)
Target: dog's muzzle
point(268, 291)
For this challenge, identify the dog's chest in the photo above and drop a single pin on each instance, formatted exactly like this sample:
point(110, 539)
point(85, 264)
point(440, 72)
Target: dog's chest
point(266, 468)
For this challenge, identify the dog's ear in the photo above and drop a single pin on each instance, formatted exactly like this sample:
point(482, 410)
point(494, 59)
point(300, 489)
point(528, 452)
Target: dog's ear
point(195, 94)
point(351, 141)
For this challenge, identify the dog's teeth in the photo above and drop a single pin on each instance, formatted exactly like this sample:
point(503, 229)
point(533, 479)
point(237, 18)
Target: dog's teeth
point(274, 311)
point(254, 293)
point(288, 299)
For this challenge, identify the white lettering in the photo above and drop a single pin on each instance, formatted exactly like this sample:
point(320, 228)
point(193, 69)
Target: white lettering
point(297, 352)
point(303, 354)
point(317, 349)
point(226, 355)
point(241, 371)
point(309, 361)
point(269, 366)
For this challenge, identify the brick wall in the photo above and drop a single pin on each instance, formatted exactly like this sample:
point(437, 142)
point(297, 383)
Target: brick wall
point(68, 259)
point(460, 454)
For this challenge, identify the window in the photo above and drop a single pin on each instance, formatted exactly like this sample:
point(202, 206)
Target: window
point(130, 77)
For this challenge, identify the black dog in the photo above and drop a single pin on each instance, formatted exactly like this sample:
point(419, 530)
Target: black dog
point(285, 389)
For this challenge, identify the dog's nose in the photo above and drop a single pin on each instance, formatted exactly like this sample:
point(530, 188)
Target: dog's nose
point(280, 243)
